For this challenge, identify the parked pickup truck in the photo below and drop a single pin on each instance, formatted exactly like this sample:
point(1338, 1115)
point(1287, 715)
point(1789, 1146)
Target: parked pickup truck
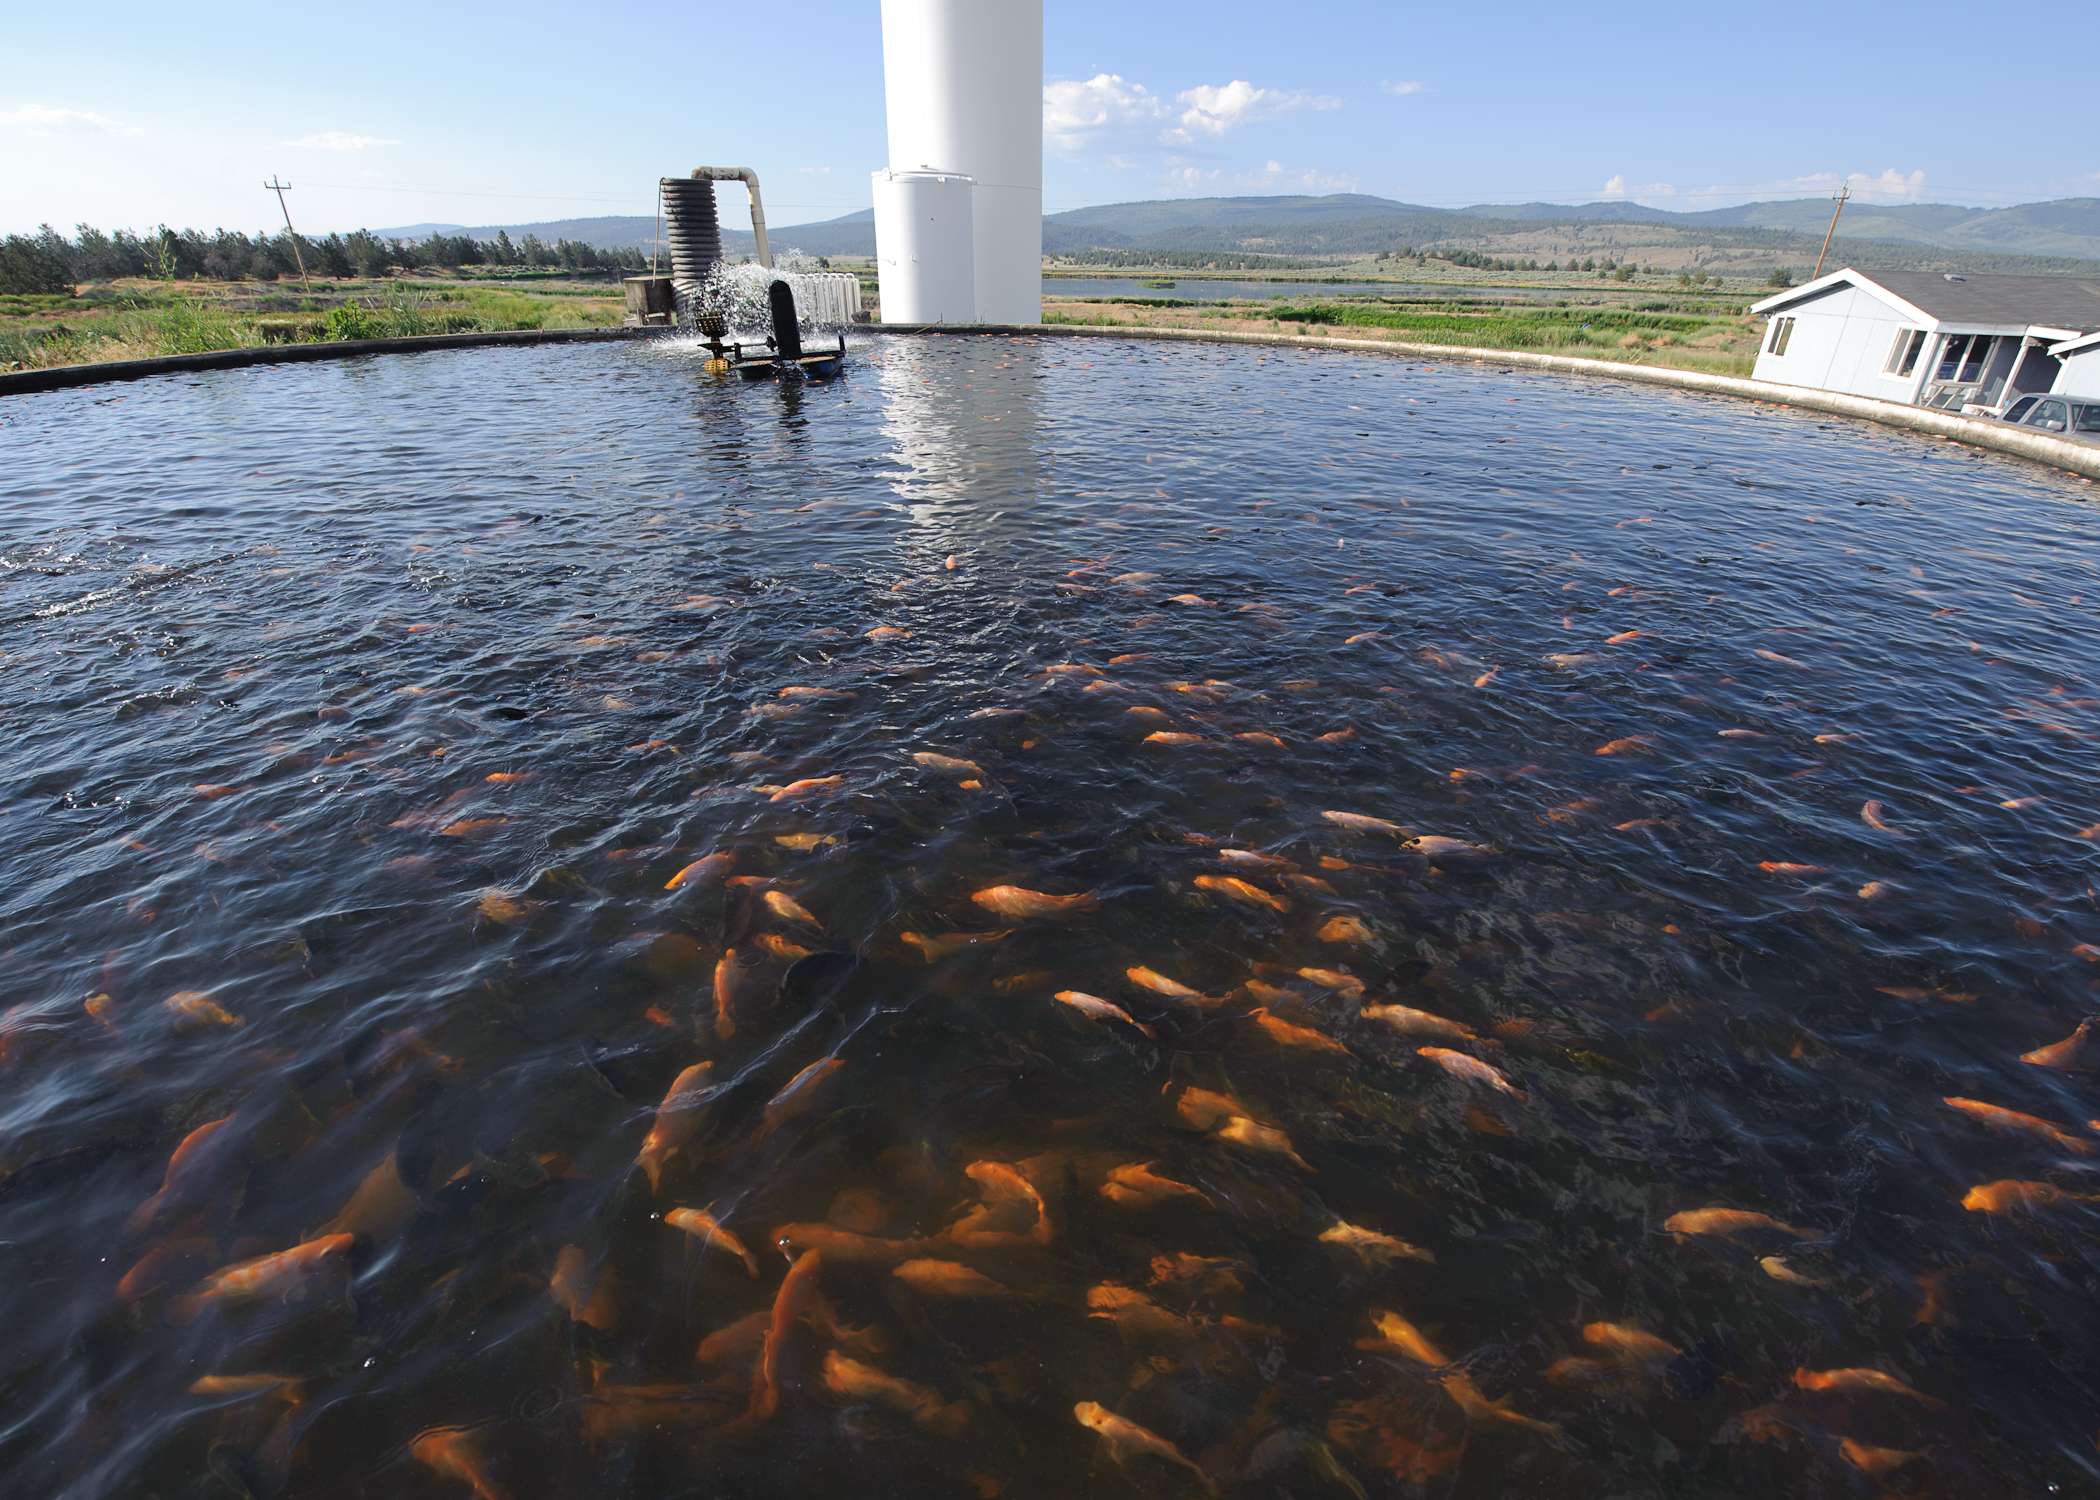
point(2072, 416)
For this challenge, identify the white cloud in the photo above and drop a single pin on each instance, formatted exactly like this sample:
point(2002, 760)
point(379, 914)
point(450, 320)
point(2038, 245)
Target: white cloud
point(338, 140)
point(1190, 179)
point(1076, 113)
point(1213, 108)
point(1891, 186)
point(1617, 190)
point(49, 119)
point(1402, 87)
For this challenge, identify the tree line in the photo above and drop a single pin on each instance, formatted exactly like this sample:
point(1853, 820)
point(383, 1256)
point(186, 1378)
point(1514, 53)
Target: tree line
point(48, 261)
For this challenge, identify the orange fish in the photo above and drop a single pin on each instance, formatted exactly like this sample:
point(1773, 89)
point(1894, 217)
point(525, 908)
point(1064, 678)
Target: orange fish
point(194, 1009)
point(571, 1288)
point(1101, 1010)
point(194, 1160)
point(1020, 902)
point(1371, 1246)
point(1205, 1109)
point(1993, 1117)
point(2007, 1194)
point(1344, 929)
point(805, 786)
point(468, 827)
point(782, 905)
point(1261, 737)
point(1627, 1344)
point(1632, 744)
point(1728, 1222)
point(1011, 1214)
point(939, 945)
point(1870, 813)
point(1126, 1441)
point(1239, 890)
point(1875, 1462)
point(951, 765)
point(286, 1387)
point(948, 1278)
point(456, 1453)
point(1408, 1021)
point(888, 633)
point(1787, 867)
point(798, 1096)
point(2072, 1054)
point(852, 1380)
point(1159, 984)
point(1862, 1381)
point(785, 948)
point(1402, 1337)
point(286, 1276)
point(1460, 1388)
point(1240, 1130)
point(708, 1230)
point(1363, 823)
point(707, 867)
point(1784, 661)
point(1622, 638)
point(798, 1293)
point(725, 986)
point(1288, 1034)
point(1470, 1069)
point(1438, 846)
point(1135, 1184)
point(1172, 739)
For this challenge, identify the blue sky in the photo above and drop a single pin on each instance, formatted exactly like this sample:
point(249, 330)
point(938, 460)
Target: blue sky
point(388, 114)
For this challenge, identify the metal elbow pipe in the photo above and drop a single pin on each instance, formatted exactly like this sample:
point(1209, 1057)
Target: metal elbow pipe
point(749, 179)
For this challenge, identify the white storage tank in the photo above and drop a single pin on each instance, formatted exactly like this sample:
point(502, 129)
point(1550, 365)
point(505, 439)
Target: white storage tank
point(925, 259)
point(963, 81)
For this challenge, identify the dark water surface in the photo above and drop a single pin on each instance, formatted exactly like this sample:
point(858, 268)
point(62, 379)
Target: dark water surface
point(367, 710)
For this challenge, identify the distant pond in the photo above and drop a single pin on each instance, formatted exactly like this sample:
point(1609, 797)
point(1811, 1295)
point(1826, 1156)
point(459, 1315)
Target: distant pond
point(1206, 290)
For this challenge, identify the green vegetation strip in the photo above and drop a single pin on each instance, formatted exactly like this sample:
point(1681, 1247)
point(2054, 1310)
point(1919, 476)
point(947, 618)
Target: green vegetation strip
point(1545, 327)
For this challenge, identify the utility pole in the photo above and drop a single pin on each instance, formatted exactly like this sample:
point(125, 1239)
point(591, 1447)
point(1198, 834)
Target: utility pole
point(1844, 196)
point(280, 189)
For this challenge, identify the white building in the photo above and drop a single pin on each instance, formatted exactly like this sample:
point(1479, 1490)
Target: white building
point(2080, 372)
point(1925, 339)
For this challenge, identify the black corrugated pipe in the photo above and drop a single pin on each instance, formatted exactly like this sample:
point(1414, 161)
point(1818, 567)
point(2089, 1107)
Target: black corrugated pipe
point(694, 232)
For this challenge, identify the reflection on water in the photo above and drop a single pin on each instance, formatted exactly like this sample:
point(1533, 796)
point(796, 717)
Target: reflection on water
point(1040, 918)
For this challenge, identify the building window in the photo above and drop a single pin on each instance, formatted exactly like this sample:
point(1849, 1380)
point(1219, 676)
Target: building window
point(1782, 333)
point(1903, 353)
point(1979, 353)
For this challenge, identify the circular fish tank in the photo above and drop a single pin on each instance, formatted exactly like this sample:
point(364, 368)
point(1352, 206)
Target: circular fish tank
point(1045, 917)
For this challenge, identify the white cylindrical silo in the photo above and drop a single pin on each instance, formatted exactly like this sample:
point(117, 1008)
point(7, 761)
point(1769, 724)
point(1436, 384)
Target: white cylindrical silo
point(963, 81)
point(925, 258)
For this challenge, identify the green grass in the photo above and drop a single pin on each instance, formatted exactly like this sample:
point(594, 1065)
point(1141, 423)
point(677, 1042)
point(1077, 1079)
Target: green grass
point(145, 319)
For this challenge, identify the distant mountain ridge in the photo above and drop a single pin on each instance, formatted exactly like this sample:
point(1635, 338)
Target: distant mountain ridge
point(1352, 224)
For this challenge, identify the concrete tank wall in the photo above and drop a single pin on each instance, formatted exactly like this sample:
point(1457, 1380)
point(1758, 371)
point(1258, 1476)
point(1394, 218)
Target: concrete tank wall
point(963, 85)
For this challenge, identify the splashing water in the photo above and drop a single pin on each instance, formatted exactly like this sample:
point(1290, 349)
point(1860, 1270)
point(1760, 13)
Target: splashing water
point(738, 293)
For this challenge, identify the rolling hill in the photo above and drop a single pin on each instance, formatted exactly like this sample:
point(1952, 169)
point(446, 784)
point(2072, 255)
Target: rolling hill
point(1922, 236)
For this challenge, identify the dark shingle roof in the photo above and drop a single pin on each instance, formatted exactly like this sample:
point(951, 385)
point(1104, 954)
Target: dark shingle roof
point(2045, 301)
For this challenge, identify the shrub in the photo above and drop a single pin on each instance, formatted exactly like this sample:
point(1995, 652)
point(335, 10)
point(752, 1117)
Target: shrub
point(349, 320)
